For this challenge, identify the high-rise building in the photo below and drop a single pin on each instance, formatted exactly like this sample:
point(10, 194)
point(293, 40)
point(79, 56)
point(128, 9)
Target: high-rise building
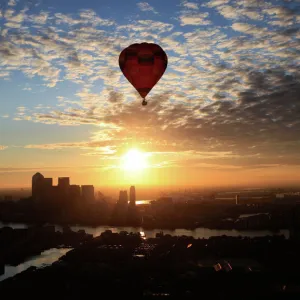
point(47, 192)
point(237, 199)
point(88, 192)
point(37, 185)
point(123, 197)
point(132, 197)
point(100, 196)
point(74, 192)
point(48, 182)
point(64, 183)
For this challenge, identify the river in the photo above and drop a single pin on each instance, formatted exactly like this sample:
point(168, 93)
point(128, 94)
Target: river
point(195, 233)
point(46, 258)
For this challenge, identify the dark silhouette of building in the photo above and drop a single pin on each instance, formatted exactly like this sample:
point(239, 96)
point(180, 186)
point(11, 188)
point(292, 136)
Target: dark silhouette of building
point(165, 201)
point(88, 192)
point(47, 192)
point(55, 194)
point(48, 182)
point(2, 269)
point(74, 192)
point(133, 218)
point(237, 199)
point(132, 196)
point(123, 198)
point(100, 196)
point(37, 186)
point(163, 205)
point(64, 184)
point(119, 215)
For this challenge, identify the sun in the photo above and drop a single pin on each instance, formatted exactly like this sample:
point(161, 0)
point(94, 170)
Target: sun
point(134, 160)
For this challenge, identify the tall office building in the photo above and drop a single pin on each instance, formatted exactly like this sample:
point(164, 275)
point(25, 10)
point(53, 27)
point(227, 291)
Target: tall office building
point(37, 185)
point(123, 197)
point(48, 182)
point(74, 191)
point(88, 192)
point(48, 189)
point(132, 197)
point(64, 183)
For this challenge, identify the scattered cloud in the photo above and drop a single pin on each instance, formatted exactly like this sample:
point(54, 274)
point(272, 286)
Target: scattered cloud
point(144, 6)
point(215, 3)
point(48, 168)
point(190, 5)
point(194, 19)
point(237, 103)
point(12, 2)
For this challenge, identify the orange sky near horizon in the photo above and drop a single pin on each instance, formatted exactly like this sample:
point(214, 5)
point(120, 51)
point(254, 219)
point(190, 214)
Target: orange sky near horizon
point(172, 176)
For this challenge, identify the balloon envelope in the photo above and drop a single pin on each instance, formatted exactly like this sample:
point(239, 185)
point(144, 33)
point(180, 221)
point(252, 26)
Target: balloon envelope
point(143, 65)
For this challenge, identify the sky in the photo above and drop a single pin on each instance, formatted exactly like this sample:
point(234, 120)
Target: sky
point(226, 111)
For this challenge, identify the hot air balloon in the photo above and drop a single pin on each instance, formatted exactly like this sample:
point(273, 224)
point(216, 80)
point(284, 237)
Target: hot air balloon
point(143, 65)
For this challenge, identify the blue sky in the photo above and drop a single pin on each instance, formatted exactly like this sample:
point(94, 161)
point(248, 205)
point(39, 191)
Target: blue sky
point(223, 105)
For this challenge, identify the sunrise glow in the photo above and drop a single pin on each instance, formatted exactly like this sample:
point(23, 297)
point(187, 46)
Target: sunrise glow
point(134, 160)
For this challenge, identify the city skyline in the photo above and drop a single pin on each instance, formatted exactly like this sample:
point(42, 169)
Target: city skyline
point(226, 112)
point(43, 189)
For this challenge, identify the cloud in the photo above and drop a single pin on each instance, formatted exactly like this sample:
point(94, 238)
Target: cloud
point(101, 147)
point(12, 25)
point(86, 17)
point(48, 168)
point(190, 5)
point(243, 11)
point(194, 19)
point(144, 6)
point(12, 3)
point(40, 19)
point(148, 26)
point(245, 28)
point(3, 147)
point(229, 97)
point(214, 3)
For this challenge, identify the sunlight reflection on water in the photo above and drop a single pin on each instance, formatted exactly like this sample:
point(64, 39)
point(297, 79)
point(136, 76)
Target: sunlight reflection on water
point(196, 233)
point(44, 259)
point(151, 233)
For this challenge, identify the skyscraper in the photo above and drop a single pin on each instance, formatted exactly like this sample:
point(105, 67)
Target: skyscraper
point(64, 183)
point(123, 198)
point(48, 182)
point(47, 189)
point(88, 192)
point(74, 192)
point(37, 185)
point(132, 196)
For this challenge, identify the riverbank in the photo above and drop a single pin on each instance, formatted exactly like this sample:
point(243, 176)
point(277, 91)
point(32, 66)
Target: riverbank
point(46, 258)
point(19, 244)
point(196, 233)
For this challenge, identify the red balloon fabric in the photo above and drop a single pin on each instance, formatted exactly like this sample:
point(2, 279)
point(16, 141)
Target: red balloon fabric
point(143, 65)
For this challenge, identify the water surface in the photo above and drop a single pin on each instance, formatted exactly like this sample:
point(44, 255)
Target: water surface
point(46, 258)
